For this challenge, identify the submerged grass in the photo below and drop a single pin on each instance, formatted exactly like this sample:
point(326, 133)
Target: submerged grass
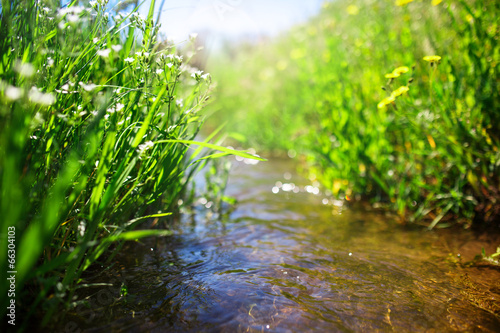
point(97, 121)
point(395, 102)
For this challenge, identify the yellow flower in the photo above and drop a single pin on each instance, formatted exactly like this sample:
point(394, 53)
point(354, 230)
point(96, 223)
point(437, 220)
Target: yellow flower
point(400, 70)
point(432, 58)
point(398, 92)
point(352, 10)
point(391, 75)
point(386, 101)
point(402, 2)
point(436, 2)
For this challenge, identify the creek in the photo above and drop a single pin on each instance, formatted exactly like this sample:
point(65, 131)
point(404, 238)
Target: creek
point(288, 259)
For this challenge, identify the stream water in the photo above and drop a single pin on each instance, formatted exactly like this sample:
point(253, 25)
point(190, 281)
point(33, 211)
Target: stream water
point(287, 259)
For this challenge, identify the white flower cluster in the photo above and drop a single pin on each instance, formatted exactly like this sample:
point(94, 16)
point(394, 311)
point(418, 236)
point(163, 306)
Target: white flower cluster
point(144, 147)
point(38, 97)
point(96, 3)
point(13, 93)
point(199, 76)
point(71, 15)
point(24, 69)
point(138, 21)
point(107, 51)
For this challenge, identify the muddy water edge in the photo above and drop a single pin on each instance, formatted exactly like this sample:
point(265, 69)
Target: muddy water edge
point(288, 259)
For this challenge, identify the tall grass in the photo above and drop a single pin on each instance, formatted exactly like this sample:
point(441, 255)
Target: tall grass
point(396, 102)
point(97, 120)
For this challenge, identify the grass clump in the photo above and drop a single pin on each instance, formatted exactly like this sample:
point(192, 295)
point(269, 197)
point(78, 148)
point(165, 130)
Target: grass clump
point(96, 123)
point(395, 102)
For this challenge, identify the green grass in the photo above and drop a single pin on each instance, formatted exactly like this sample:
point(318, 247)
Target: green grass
point(429, 152)
point(98, 123)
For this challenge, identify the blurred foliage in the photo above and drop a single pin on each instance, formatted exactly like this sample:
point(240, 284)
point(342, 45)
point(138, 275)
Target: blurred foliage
point(395, 102)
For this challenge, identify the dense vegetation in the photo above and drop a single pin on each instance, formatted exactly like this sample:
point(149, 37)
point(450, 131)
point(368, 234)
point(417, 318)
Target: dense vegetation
point(392, 101)
point(97, 120)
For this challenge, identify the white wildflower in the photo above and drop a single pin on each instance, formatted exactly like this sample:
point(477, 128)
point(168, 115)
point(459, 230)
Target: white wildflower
point(87, 87)
point(72, 18)
point(116, 48)
point(25, 69)
point(169, 65)
point(104, 53)
point(95, 40)
point(75, 10)
point(81, 228)
point(144, 147)
point(129, 59)
point(41, 98)
point(159, 71)
point(13, 93)
point(197, 75)
point(142, 54)
point(193, 36)
point(119, 106)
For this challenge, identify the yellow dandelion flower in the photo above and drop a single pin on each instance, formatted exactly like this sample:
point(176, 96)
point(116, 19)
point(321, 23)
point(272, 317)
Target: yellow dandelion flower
point(400, 91)
point(401, 70)
point(402, 2)
point(436, 2)
point(432, 143)
point(432, 58)
point(386, 101)
point(391, 75)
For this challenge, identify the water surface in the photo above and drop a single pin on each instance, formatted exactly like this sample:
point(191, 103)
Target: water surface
point(288, 259)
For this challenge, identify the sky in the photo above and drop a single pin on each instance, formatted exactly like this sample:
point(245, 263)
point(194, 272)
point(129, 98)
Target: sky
point(231, 18)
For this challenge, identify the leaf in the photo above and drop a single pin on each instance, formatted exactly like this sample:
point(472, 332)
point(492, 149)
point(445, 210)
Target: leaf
point(215, 147)
point(137, 234)
point(440, 216)
point(129, 223)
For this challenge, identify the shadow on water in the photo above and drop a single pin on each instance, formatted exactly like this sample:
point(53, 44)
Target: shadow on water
point(288, 260)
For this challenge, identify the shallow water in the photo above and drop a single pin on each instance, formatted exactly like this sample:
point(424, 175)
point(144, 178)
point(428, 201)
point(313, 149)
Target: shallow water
point(286, 262)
